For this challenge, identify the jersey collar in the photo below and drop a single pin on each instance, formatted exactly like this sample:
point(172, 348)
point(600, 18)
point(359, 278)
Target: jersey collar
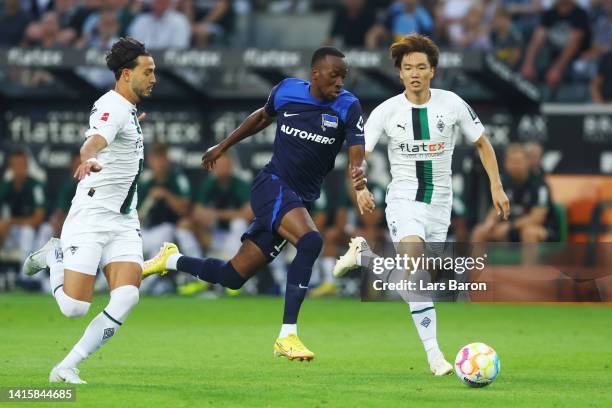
point(424, 105)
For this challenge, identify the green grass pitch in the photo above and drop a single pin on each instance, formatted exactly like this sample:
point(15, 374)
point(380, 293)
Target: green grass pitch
point(186, 352)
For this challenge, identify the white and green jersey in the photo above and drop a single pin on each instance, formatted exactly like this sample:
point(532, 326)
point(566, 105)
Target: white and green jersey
point(115, 119)
point(421, 140)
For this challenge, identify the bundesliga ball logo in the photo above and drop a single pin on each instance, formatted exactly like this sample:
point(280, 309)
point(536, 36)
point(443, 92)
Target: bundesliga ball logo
point(477, 365)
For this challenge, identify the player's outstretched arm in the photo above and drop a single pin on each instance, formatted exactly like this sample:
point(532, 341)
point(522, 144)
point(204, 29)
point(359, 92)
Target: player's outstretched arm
point(89, 150)
point(489, 161)
point(357, 164)
point(254, 123)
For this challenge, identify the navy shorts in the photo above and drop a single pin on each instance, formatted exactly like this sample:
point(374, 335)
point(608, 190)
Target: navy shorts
point(271, 199)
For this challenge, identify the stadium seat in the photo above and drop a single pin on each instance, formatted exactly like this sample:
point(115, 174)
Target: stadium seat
point(579, 216)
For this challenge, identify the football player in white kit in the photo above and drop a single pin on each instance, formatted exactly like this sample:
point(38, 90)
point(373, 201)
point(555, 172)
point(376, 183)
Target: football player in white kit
point(102, 227)
point(422, 126)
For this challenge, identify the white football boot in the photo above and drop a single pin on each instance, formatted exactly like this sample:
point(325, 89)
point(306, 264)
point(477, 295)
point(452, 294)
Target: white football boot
point(439, 366)
point(348, 261)
point(68, 375)
point(37, 260)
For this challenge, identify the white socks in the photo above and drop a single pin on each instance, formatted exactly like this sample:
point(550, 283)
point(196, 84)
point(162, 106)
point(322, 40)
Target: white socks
point(287, 329)
point(69, 307)
point(55, 262)
point(104, 325)
point(172, 260)
point(424, 316)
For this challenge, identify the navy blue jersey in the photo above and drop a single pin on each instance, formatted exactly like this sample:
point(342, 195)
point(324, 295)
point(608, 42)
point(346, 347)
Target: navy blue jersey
point(309, 134)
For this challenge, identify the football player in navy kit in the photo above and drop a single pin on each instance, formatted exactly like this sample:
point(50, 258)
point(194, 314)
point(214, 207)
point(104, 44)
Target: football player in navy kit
point(314, 119)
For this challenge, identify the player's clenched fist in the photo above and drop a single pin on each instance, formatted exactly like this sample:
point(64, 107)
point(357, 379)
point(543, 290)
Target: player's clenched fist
point(86, 168)
point(210, 157)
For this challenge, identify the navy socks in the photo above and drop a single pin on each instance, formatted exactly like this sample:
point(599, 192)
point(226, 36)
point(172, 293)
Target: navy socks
point(211, 270)
point(298, 277)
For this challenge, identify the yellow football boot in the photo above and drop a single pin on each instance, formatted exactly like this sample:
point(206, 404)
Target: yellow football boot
point(326, 289)
point(157, 264)
point(292, 348)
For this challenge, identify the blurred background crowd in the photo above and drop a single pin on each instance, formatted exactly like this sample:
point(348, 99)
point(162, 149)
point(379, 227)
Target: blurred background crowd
point(560, 45)
point(547, 41)
point(209, 218)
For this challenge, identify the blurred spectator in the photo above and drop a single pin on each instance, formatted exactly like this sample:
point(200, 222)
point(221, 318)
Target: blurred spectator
point(162, 27)
point(331, 222)
point(601, 84)
point(524, 14)
point(213, 20)
point(83, 12)
point(535, 151)
point(104, 34)
point(602, 32)
point(66, 11)
point(222, 208)
point(586, 66)
point(349, 223)
point(472, 32)
point(48, 33)
point(532, 217)
point(36, 8)
point(284, 6)
point(13, 23)
point(125, 11)
point(70, 17)
point(65, 195)
point(352, 20)
point(163, 201)
point(44, 34)
point(401, 18)
point(449, 14)
point(565, 31)
point(372, 226)
point(22, 206)
point(506, 39)
point(459, 230)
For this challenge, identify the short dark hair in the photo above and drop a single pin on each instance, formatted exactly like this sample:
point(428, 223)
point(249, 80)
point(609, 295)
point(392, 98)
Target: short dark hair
point(323, 52)
point(124, 54)
point(414, 43)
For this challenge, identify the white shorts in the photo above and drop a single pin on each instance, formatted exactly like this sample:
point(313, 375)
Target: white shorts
point(95, 237)
point(407, 217)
